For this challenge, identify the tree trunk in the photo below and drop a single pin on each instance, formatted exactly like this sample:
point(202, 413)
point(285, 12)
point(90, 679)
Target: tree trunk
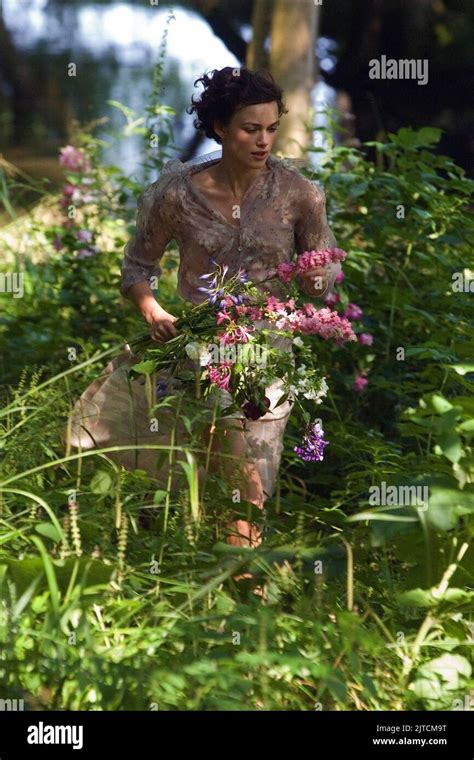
point(257, 56)
point(292, 63)
point(17, 74)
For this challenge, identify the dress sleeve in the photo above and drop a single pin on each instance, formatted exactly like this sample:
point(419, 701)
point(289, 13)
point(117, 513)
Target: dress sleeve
point(312, 232)
point(154, 230)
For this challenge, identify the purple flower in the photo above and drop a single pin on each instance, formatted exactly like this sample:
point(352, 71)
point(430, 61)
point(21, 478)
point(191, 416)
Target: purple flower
point(312, 447)
point(83, 253)
point(213, 282)
point(366, 339)
point(162, 389)
point(352, 311)
point(85, 235)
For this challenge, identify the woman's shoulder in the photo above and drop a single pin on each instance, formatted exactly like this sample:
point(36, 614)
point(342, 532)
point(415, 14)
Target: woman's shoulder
point(164, 189)
point(298, 189)
point(292, 168)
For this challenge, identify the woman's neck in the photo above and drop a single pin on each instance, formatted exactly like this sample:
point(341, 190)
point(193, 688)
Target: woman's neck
point(236, 177)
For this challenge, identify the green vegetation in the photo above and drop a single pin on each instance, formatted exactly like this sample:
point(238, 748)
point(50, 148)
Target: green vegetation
point(117, 591)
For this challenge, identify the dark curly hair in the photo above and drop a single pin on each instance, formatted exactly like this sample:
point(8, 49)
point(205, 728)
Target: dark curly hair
point(227, 91)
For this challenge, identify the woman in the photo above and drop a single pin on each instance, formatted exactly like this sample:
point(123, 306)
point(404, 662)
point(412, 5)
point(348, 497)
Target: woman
point(246, 209)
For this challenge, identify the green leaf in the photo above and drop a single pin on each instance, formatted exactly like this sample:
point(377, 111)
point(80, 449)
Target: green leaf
point(101, 483)
point(424, 598)
point(50, 574)
point(467, 427)
point(440, 404)
point(445, 505)
point(187, 423)
point(463, 369)
point(451, 446)
point(48, 530)
point(145, 367)
point(281, 400)
point(451, 668)
point(159, 496)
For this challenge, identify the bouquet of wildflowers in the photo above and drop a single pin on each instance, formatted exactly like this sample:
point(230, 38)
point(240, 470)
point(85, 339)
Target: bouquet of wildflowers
point(232, 352)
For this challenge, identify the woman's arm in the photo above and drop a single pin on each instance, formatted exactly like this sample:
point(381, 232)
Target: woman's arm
point(312, 233)
point(140, 264)
point(160, 321)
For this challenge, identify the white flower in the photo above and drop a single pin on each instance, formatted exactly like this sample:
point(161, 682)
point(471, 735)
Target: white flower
point(298, 342)
point(317, 395)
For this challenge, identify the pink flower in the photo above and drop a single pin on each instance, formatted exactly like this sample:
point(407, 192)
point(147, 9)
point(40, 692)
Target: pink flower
point(285, 271)
point(227, 338)
point(227, 301)
point(68, 189)
point(353, 311)
point(282, 323)
point(221, 316)
point(309, 309)
point(340, 276)
point(254, 313)
point(326, 323)
point(275, 306)
point(331, 299)
point(242, 334)
point(366, 339)
point(220, 375)
point(315, 259)
point(359, 383)
point(73, 159)
point(57, 243)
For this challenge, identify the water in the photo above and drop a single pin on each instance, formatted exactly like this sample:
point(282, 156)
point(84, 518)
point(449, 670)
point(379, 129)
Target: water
point(115, 47)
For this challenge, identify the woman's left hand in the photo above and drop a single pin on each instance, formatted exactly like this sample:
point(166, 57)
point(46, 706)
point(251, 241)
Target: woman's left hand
point(308, 283)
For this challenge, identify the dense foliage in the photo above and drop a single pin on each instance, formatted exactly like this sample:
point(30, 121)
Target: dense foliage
point(117, 590)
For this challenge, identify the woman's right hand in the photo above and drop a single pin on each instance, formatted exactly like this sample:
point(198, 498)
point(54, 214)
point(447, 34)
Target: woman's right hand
point(161, 324)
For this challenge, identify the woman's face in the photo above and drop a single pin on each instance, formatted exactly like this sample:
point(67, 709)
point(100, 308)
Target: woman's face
point(251, 132)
